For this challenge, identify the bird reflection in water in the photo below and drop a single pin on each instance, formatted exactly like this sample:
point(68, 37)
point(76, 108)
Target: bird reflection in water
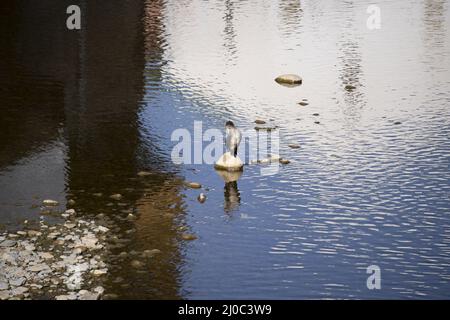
point(231, 192)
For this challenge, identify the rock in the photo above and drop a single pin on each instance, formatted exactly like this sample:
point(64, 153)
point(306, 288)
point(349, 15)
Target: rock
point(303, 103)
point(116, 196)
point(201, 198)
point(271, 158)
point(397, 122)
point(98, 194)
point(260, 122)
point(99, 272)
point(131, 217)
point(188, 236)
point(70, 225)
point(289, 79)
point(17, 282)
point(39, 267)
point(294, 146)
point(110, 296)
point(150, 253)
point(71, 202)
point(21, 233)
point(70, 212)
point(228, 162)
point(137, 264)
point(100, 290)
point(4, 295)
point(8, 243)
point(53, 235)
point(268, 129)
point(350, 87)
point(317, 122)
point(144, 174)
point(19, 291)
point(315, 114)
point(46, 255)
point(89, 241)
point(194, 185)
point(3, 286)
point(66, 297)
point(50, 203)
point(102, 229)
point(284, 161)
point(34, 233)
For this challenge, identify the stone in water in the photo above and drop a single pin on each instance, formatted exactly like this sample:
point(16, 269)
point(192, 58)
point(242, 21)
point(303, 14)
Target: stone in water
point(229, 163)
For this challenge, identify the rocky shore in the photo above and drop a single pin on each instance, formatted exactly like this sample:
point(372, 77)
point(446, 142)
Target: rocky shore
point(64, 261)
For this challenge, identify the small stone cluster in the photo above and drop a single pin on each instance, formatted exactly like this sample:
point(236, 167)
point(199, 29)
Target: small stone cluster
point(63, 261)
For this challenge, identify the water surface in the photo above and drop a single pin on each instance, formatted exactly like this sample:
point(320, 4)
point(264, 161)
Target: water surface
point(82, 112)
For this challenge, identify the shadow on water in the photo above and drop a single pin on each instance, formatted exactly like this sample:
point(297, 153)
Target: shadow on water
point(77, 94)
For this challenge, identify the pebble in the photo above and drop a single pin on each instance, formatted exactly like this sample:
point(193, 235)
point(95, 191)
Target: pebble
point(137, 264)
point(188, 236)
point(116, 196)
point(144, 174)
point(150, 253)
point(99, 272)
point(294, 146)
point(50, 203)
point(17, 282)
point(3, 286)
point(260, 121)
point(284, 161)
point(350, 87)
point(289, 79)
point(8, 243)
point(303, 103)
point(194, 185)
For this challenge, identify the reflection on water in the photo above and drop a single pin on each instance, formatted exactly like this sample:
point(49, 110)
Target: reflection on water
point(83, 112)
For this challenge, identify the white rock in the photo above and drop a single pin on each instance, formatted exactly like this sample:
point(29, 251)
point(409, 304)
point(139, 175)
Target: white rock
point(229, 163)
point(50, 203)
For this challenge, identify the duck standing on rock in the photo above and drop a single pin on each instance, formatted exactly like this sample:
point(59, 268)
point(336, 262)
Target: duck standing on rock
point(233, 137)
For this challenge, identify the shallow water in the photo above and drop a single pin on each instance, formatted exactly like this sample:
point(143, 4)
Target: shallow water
point(82, 112)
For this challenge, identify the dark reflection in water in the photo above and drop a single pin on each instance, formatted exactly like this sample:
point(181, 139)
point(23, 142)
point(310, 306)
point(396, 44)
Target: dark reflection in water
point(82, 112)
point(80, 92)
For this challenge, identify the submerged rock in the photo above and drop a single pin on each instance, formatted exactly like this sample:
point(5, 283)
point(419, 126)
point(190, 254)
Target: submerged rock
point(150, 253)
point(260, 121)
point(144, 174)
point(188, 236)
point(50, 203)
point(284, 161)
point(291, 79)
point(294, 146)
point(137, 264)
point(116, 196)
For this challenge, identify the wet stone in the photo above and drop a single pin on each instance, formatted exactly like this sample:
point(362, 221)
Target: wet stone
point(188, 236)
point(8, 243)
point(50, 203)
point(194, 185)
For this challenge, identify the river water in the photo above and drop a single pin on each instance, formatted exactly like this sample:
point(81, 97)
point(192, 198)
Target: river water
point(82, 112)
